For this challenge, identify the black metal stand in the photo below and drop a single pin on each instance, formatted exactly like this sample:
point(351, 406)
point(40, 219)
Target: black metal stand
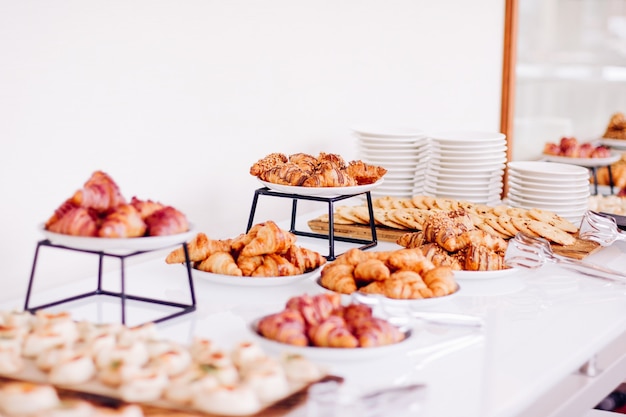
point(122, 295)
point(331, 227)
point(594, 172)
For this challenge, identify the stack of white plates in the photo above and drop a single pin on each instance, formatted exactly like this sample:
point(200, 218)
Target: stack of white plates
point(466, 165)
point(402, 152)
point(560, 188)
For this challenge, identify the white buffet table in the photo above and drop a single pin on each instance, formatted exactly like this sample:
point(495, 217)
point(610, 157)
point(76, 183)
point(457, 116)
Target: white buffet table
point(541, 327)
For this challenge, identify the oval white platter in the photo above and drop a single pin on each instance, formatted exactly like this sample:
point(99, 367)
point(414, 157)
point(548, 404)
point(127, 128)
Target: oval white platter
point(479, 275)
point(585, 162)
point(105, 243)
point(251, 281)
point(322, 191)
point(333, 354)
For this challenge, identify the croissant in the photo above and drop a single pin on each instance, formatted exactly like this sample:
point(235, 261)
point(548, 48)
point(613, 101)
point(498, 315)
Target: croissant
point(304, 259)
point(371, 270)
point(275, 265)
point(409, 259)
point(145, 207)
point(124, 221)
point(353, 313)
point(440, 280)
point(74, 220)
point(338, 277)
point(439, 257)
point(315, 309)
point(99, 192)
point(269, 239)
point(352, 256)
point(481, 258)
point(166, 221)
point(411, 240)
point(332, 159)
point(238, 243)
point(287, 327)
point(372, 331)
point(329, 175)
point(199, 248)
point(364, 173)
point(332, 332)
point(248, 264)
point(220, 263)
point(307, 163)
point(267, 162)
point(286, 174)
point(406, 285)
point(444, 227)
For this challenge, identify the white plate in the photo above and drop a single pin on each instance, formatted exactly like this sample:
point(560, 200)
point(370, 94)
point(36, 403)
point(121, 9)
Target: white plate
point(463, 137)
point(126, 244)
point(585, 162)
point(333, 354)
point(389, 132)
point(322, 191)
point(476, 275)
point(470, 177)
point(486, 170)
point(547, 169)
point(464, 151)
point(549, 182)
point(548, 189)
point(613, 143)
point(486, 188)
point(251, 281)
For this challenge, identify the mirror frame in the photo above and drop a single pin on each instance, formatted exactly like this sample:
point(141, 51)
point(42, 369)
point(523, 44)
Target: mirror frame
point(509, 58)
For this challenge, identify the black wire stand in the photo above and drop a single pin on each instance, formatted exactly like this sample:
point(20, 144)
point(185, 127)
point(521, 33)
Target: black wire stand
point(100, 291)
point(365, 243)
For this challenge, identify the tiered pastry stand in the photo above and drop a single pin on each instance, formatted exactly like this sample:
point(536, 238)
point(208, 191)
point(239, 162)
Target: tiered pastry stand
point(100, 291)
point(330, 201)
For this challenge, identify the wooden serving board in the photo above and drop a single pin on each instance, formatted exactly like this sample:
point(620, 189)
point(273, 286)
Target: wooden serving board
point(579, 250)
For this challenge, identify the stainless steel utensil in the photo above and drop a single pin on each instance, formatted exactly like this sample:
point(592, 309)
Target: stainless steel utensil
point(600, 228)
point(433, 317)
point(526, 251)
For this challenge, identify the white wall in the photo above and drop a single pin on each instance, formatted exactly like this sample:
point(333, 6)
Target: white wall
point(176, 99)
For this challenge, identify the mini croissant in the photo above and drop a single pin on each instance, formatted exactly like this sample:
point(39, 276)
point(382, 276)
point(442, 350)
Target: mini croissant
point(124, 221)
point(269, 239)
point(220, 263)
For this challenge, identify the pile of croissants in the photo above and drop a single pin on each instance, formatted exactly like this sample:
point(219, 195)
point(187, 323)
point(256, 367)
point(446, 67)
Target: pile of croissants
point(322, 321)
point(265, 250)
point(99, 209)
point(325, 170)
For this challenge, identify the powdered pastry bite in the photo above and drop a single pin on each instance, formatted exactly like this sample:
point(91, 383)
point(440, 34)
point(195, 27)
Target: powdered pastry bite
point(245, 353)
point(60, 323)
point(147, 384)
point(48, 358)
point(300, 369)
point(227, 400)
point(202, 348)
point(194, 379)
point(70, 408)
point(172, 362)
point(74, 370)
point(132, 354)
point(19, 398)
point(10, 361)
point(39, 341)
point(269, 384)
point(222, 367)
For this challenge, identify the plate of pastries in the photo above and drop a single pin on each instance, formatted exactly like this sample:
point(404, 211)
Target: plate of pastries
point(266, 255)
point(322, 327)
point(99, 217)
point(49, 354)
point(615, 133)
point(402, 277)
point(570, 151)
point(325, 175)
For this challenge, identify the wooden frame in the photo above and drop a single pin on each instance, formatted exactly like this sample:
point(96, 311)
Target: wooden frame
point(509, 58)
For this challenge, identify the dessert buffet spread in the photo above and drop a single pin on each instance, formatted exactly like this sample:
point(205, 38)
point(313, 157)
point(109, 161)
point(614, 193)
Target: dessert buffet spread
point(265, 250)
point(46, 355)
point(99, 209)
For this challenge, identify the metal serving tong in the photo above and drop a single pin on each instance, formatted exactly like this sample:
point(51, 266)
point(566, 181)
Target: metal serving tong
point(533, 252)
point(600, 228)
point(433, 317)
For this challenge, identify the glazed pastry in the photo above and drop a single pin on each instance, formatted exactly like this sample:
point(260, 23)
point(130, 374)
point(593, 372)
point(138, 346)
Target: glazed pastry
point(438, 256)
point(123, 222)
point(315, 309)
point(409, 259)
point(288, 326)
point(76, 221)
point(248, 264)
point(99, 192)
point(270, 161)
point(286, 174)
point(481, 258)
point(304, 259)
point(364, 173)
point(329, 175)
point(145, 207)
point(220, 263)
point(338, 277)
point(238, 243)
point(412, 240)
point(307, 163)
point(372, 332)
point(166, 221)
point(269, 239)
point(332, 332)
